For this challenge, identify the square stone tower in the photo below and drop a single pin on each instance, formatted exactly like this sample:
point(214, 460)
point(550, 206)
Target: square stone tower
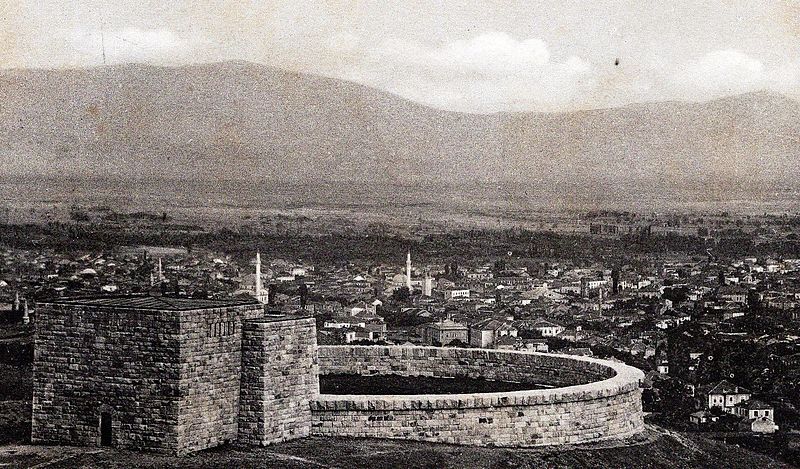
point(139, 372)
point(279, 379)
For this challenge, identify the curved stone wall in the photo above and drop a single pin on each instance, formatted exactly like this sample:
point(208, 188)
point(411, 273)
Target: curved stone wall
point(595, 399)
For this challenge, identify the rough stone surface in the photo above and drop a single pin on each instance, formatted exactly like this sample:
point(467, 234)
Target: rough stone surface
point(169, 382)
point(210, 376)
point(501, 365)
point(598, 399)
point(279, 380)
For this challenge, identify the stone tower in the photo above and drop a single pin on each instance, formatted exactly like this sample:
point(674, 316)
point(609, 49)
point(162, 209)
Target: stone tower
point(171, 375)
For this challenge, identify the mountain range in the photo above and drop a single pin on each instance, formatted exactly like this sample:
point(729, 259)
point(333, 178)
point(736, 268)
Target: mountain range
point(247, 122)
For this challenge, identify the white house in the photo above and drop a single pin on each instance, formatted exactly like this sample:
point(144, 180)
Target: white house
point(727, 396)
point(753, 409)
point(485, 333)
point(547, 328)
point(453, 293)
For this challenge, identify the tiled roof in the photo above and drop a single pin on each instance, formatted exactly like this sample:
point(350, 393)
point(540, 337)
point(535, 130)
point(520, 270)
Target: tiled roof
point(724, 387)
point(447, 324)
point(754, 404)
point(492, 324)
point(545, 323)
point(506, 340)
point(153, 302)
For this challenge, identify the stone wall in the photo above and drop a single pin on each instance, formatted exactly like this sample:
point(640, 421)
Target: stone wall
point(169, 379)
point(500, 365)
point(279, 380)
point(210, 378)
point(93, 360)
point(598, 400)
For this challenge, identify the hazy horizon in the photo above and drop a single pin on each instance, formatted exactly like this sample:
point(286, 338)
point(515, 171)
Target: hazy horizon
point(229, 199)
point(433, 106)
point(249, 123)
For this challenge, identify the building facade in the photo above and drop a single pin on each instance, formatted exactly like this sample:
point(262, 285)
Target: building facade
point(455, 293)
point(140, 372)
point(727, 396)
point(484, 334)
point(444, 333)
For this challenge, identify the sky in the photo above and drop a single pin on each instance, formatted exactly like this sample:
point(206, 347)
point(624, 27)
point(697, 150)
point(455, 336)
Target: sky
point(482, 56)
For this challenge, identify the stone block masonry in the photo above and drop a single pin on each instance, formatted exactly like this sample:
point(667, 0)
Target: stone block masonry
point(599, 399)
point(500, 365)
point(147, 373)
point(210, 376)
point(93, 360)
point(279, 380)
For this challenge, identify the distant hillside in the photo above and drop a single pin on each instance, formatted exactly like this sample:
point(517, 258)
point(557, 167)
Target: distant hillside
point(249, 122)
point(738, 140)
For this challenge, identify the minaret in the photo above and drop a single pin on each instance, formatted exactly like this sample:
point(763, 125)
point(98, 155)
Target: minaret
point(26, 318)
point(258, 285)
point(160, 272)
point(260, 295)
point(408, 271)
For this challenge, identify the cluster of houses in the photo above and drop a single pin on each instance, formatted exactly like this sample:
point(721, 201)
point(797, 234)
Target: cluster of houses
point(727, 398)
point(133, 269)
point(488, 333)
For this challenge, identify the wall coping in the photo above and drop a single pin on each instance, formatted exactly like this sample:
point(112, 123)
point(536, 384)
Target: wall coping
point(625, 379)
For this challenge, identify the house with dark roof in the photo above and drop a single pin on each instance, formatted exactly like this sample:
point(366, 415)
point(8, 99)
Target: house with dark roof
point(506, 342)
point(702, 417)
point(726, 396)
point(547, 328)
point(444, 332)
point(484, 333)
point(753, 409)
point(369, 331)
point(533, 345)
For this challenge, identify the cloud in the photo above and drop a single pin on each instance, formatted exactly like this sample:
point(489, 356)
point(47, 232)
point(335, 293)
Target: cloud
point(494, 71)
point(488, 72)
point(130, 45)
point(717, 72)
point(727, 72)
point(493, 53)
point(343, 42)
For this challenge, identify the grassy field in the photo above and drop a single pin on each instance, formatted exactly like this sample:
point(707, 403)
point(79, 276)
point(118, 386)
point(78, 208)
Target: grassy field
point(657, 449)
